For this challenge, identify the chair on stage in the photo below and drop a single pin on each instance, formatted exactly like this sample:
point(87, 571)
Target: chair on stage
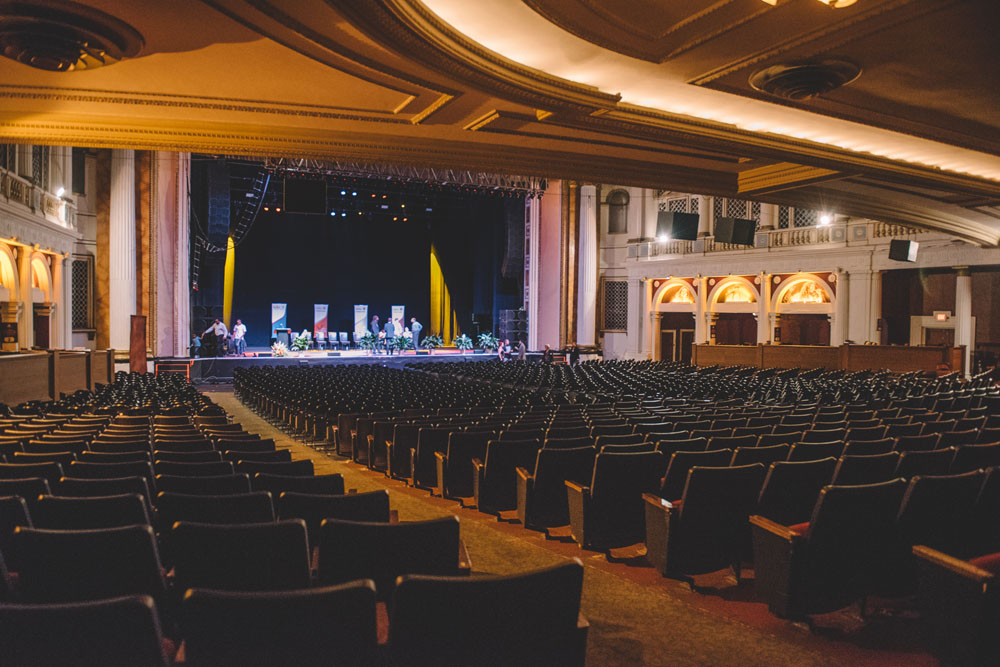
point(345, 344)
point(320, 340)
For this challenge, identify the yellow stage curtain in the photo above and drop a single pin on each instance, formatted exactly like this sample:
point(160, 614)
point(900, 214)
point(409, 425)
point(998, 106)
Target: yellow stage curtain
point(227, 284)
point(443, 320)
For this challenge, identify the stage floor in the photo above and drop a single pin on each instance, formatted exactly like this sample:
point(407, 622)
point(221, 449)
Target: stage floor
point(220, 369)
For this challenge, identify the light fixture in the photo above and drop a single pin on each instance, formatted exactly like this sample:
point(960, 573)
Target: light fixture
point(60, 192)
point(663, 238)
point(825, 219)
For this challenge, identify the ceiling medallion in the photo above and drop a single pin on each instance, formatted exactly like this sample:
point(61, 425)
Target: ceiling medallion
point(803, 79)
point(62, 36)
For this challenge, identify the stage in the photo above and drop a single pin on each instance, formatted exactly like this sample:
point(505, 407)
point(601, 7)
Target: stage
point(211, 370)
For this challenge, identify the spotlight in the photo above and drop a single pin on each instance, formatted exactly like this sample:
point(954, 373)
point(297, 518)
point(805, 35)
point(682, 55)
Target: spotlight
point(278, 209)
point(267, 208)
point(394, 218)
point(405, 219)
point(428, 209)
point(825, 219)
point(354, 194)
point(333, 213)
point(343, 192)
point(343, 214)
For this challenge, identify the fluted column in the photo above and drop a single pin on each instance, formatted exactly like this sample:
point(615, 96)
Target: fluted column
point(701, 332)
point(58, 327)
point(122, 247)
point(706, 216)
point(768, 217)
point(533, 211)
point(655, 324)
point(841, 313)
point(586, 303)
point(763, 310)
point(638, 303)
point(963, 313)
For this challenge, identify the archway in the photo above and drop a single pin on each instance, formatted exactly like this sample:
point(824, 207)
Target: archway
point(733, 304)
point(676, 304)
point(803, 304)
point(41, 297)
point(8, 275)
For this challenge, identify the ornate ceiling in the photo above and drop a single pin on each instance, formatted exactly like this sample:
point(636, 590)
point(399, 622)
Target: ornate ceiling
point(646, 93)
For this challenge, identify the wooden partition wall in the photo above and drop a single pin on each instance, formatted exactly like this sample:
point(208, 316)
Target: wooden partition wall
point(896, 358)
point(45, 374)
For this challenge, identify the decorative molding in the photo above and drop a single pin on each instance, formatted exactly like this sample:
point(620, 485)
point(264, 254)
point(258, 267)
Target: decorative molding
point(782, 176)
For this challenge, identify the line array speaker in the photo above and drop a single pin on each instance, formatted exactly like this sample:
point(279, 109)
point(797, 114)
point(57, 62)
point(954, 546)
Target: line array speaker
point(677, 226)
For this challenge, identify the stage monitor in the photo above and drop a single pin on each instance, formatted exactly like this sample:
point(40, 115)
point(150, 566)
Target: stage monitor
point(305, 196)
point(903, 251)
point(735, 230)
point(677, 226)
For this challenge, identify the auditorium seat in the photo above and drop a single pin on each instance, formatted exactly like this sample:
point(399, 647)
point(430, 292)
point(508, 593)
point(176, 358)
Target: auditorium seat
point(669, 447)
point(268, 556)
point(430, 441)
point(313, 508)
point(13, 513)
point(454, 466)
point(681, 462)
point(276, 456)
point(351, 550)
point(972, 457)
point(302, 467)
point(113, 457)
point(77, 565)
point(869, 469)
point(942, 426)
point(66, 513)
point(245, 445)
point(111, 486)
point(608, 512)
point(331, 484)
point(255, 507)
point(804, 451)
point(524, 619)
point(28, 488)
point(766, 455)
point(791, 488)
point(707, 529)
point(115, 632)
point(208, 456)
point(929, 462)
point(50, 472)
point(838, 557)
point(494, 479)
point(307, 628)
point(630, 439)
point(868, 447)
point(786, 438)
point(541, 490)
point(824, 435)
point(202, 485)
point(53, 446)
point(113, 447)
point(732, 441)
point(82, 470)
point(187, 469)
point(958, 438)
point(858, 434)
point(912, 443)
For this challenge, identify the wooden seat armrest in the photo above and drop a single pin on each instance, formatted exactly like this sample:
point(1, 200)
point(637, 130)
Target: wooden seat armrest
point(952, 564)
point(657, 501)
point(464, 561)
point(579, 488)
point(477, 464)
point(773, 527)
point(582, 622)
point(523, 473)
point(440, 456)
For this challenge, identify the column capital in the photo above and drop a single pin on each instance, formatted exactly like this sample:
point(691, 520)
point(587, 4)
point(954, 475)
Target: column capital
point(962, 270)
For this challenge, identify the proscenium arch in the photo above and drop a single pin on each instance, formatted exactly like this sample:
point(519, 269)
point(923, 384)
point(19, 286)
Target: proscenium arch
point(797, 279)
point(666, 287)
point(40, 272)
point(713, 295)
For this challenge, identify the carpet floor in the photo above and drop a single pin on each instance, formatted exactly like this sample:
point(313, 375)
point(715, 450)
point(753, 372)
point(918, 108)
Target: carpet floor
point(636, 616)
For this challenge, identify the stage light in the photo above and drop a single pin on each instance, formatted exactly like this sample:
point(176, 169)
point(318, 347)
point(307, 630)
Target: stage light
point(333, 213)
point(354, 194)
point(428, 209)
point(278, 209)
point(373, 196)
point(344, 214)
point(394, 218)
point(402, 206)
point(405, 219)
point(343, 192)
point(384, 206)
point(267, 208)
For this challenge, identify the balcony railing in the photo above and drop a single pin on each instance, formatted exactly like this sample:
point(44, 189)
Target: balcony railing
point(22, 192)
point(858, 233)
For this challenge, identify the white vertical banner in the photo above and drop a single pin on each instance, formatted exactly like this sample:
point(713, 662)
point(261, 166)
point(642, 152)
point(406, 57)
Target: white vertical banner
point(320, 312)
point(360, 320)
point(398, 313)
point(279, 316)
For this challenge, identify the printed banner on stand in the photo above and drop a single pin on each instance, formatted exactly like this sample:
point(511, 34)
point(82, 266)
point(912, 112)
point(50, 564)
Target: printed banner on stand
point(320, 311)
point(360, 320)
point(398, 313)
point(279, 316)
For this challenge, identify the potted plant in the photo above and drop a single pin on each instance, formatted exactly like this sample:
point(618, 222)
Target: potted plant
point(300, 343)
point(488, 341)
point(430, 342)
point(402, 343)
point(464, 343)
point(367, 342)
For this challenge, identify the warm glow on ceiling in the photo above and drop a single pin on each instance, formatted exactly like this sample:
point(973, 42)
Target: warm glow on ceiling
point(805, 291)
point(679, 294)
point(542, 45)
point(735, 293)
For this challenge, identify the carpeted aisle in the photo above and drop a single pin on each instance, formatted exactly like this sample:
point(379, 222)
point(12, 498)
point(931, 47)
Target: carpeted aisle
point(636, 616)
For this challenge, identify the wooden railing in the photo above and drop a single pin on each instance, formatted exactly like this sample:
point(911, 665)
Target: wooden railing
point(896, 358)
point(45, 374)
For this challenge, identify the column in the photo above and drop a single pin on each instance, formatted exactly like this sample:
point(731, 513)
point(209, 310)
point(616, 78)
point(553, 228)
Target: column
point(706, 216)
point(768, 217)
point(586, 303)
point(10, 312)
point(875, 308)
point(58, 328)
point(841, 312)
point(764, 306)
point(655, 323)
point(650, 212)
point(963, 314)
point(701, 332)
point(712, 319)
point(67, 299)
point(26, 325)
point(122, 247)
point(638, 303)
point(533, 223)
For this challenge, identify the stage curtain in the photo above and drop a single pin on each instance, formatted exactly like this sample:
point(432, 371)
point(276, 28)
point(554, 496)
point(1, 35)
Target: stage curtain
point(228, 281)
point(442, 315)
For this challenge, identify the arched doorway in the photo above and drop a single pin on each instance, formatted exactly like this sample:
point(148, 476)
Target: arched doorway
point(803, 304)
point(675, 306)
point(41, 297)
point(733, 303)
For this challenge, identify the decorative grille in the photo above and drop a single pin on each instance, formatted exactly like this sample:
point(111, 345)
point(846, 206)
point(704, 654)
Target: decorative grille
point(782, 217)
point(755, 211)
point(736, 208)
point(718, 207)
point(615, 305)
point(83, 290)
point(677, 205)
point(805, 217)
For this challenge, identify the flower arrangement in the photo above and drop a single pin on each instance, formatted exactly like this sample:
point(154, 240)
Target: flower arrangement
point(488, 341)
point(300, 343)
point(279, 350)
point(463, 342)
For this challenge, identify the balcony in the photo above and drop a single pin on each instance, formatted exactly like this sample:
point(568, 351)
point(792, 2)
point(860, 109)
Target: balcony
point(832, 236)
point(22, 194)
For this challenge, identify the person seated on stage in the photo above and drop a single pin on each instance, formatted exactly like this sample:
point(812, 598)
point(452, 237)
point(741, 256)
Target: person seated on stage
point(239, 340)
point(547, 355)
point(504, 351)
point(219, 330)
point(390, 336)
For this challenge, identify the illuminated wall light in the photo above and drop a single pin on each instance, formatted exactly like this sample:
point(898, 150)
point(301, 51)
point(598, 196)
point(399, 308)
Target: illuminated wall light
point(343, 192)
point(277, 209)
point(663, 238)
point(825, 219)
point(61, 191)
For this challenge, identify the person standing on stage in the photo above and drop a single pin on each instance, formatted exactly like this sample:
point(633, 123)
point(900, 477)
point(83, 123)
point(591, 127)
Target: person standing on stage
point(376, 331)
point(239, 340)
point(219, 330)
point(390, 335)
point(574, 355)
point(504, 352)
point(415, 329)
point(522, 351)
